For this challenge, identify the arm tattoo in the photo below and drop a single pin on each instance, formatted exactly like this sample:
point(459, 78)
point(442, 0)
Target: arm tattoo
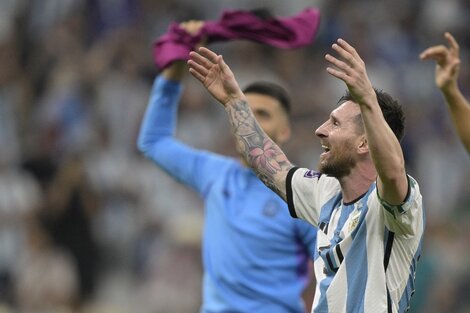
point(263, 155)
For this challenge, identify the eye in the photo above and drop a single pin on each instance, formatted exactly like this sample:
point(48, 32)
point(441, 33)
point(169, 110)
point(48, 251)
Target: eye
point(262, 114)
point(336, 123)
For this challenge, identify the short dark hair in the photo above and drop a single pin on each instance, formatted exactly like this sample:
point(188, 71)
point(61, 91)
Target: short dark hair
point(272, 90)
point(391, 110)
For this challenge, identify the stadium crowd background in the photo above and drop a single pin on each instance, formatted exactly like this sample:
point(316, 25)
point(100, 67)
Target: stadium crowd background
point(88, 225)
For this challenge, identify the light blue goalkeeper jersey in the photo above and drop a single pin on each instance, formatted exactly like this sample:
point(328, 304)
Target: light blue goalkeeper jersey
point(255, 255)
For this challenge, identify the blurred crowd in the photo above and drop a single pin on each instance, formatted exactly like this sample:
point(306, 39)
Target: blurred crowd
point(88, 225)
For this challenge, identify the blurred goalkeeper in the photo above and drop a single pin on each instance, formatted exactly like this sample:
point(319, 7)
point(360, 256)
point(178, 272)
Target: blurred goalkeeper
point(255, 257)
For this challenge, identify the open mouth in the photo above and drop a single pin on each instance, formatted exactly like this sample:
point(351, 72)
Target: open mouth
point(326, 150)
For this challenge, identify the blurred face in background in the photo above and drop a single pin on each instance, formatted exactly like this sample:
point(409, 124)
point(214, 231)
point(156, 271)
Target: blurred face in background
point(271, 116)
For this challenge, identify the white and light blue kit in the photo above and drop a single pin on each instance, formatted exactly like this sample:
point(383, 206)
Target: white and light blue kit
point(367, 250)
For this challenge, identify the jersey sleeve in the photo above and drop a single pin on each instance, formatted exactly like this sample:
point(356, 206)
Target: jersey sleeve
point(193, 167)
point(307, 191)
point(407, 217)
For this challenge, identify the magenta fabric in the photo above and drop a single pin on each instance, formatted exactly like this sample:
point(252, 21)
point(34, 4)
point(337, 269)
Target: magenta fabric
point(281, 32)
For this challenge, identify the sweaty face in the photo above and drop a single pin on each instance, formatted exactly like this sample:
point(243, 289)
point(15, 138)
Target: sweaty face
point(270, 115)
point(339, 138)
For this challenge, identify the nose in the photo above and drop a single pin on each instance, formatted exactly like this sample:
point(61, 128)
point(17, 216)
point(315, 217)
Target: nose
point(321, 131)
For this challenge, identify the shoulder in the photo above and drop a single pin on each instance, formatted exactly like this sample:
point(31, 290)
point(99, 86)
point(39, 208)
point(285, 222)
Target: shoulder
point(304, 177)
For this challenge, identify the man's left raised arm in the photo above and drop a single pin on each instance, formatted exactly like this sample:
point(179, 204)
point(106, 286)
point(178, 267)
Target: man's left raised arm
point(384, 147)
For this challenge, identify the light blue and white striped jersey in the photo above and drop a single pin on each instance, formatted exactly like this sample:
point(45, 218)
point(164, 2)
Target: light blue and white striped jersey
point(255, 255)
point(367, 250)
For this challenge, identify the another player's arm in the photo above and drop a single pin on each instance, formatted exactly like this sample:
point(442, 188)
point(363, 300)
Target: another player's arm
point(261, 153)
point(159, 121)
point(384, 147)
point(176, 70)
point(460, 113)
point(157, 141)
point(447, 73)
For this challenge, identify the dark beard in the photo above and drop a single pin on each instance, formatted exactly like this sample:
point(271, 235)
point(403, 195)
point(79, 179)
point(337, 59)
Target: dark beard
point(339, 166)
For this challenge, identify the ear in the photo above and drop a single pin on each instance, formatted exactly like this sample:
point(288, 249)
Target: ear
point(363, 146)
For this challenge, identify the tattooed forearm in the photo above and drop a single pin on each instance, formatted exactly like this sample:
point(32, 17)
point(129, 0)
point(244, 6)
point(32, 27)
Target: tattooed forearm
point(264, 156)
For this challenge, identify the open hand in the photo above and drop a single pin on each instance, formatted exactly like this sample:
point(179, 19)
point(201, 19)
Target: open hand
point(211, 70)
point(447, 61)
point(351, 70)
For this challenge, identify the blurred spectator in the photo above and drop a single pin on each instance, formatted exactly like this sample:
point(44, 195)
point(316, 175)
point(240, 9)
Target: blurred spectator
point(19, 197)
point(70, 208)
point(75, 77)
point(46, 280)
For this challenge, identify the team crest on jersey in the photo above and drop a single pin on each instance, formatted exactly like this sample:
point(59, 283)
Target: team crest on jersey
point(354, 221)
point(312, 174)
point(271, 208)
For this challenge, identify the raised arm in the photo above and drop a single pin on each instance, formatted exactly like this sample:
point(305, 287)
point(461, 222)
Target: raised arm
point(447, 73)
point(193, 167)
point(383, 145)
point(177, 69)
point(159, 121)
point(260, 152)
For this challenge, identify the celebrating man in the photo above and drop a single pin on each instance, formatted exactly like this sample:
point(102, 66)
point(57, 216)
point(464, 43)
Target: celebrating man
point(368, 210)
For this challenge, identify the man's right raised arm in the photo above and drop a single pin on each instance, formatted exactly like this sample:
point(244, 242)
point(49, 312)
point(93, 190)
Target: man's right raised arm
point(193, 167)
point(261, 153)
point(156, 137)
point(159, 122)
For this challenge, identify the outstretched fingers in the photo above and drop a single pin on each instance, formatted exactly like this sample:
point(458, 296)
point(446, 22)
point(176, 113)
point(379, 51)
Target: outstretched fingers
point(351, 69)
point(195, 68)
point(208, 54)
point(347, 52)
point(337, 63)
point(436, 53)
point(198, 67)
point(348, 65)
point(223, 66)
point(350, 49)
point(338, 74)
point(204, 60)
point(340, 70)
point(195, 73)
point(441, 53)
point(454, 46)
point(201, 60)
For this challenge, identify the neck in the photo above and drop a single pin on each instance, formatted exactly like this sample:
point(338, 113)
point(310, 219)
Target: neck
point(357, 183)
